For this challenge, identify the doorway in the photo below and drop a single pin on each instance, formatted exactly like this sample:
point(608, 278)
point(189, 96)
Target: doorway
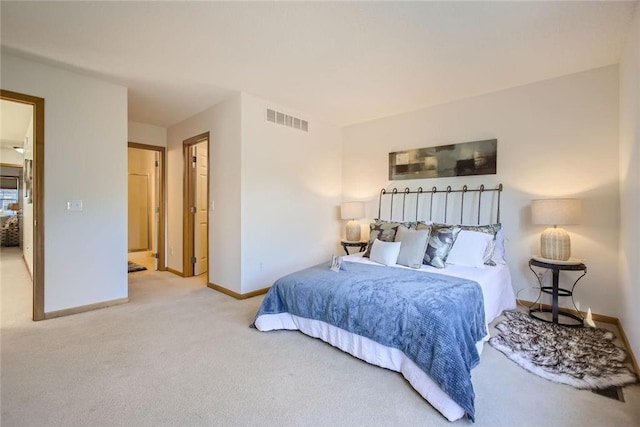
point(146, 166)
point(196, 205)
point(31, 203)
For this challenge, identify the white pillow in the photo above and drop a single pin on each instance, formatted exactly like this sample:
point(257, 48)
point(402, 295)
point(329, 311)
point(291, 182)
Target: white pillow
point(385, 252)
point(469, 249)
point(414, 245)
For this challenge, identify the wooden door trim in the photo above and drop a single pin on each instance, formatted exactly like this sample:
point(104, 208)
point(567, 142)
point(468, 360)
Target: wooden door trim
point(187, 218)
point(162, 264)
point(38, 200)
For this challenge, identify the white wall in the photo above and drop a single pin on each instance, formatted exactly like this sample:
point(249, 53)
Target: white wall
point(630, 185)
point(556, 138)
point(11, 157)
point(223, 123)
point(275, 191)
point(291, 189)
point(85, 159)
point(144, 133)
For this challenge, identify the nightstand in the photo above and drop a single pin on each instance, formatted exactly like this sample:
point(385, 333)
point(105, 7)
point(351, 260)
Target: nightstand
point(556, 292)
point(350, 244)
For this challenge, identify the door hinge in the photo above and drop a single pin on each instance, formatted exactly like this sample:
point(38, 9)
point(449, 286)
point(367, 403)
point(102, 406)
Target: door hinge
point(156, 255)
point(157, 163)
point(193, 260)
point(192, 209)
point(157, 210)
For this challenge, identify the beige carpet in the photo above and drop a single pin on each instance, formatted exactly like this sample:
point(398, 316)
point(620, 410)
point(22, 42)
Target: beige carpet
point(182, 354)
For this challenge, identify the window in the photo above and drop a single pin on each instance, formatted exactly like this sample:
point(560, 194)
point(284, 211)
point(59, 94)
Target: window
point(8, 192)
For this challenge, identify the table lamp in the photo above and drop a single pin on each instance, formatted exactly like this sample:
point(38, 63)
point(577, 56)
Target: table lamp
point(555, 243)
point(352, 211)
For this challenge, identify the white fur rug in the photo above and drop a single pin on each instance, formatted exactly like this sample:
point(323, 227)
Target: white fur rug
point(584, 358)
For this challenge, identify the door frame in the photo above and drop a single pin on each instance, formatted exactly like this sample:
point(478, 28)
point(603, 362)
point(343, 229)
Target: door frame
point(162, 264)
point(38, 199)
point(187, 201)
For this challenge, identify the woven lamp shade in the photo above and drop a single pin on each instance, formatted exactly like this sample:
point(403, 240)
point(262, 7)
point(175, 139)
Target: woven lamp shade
point(555, 243)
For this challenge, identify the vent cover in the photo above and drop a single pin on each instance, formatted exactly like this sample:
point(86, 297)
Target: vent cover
point(286, 120)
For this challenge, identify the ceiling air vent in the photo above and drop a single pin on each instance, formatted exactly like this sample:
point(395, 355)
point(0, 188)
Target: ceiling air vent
point(286, 120)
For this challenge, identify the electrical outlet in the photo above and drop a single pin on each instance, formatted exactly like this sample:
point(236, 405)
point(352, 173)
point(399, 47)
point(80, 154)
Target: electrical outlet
point(171, 251)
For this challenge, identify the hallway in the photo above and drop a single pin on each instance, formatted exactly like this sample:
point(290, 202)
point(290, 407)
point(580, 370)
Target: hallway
point(144, 258)
point(15, 288)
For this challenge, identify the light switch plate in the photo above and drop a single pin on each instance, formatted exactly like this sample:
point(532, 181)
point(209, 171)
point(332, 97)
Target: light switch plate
point(74, 205)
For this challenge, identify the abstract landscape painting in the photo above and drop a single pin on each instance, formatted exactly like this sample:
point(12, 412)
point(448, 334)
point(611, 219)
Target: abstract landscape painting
point(467, 158)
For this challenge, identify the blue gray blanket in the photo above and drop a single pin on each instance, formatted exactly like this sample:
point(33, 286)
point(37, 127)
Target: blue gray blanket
point(435, 320)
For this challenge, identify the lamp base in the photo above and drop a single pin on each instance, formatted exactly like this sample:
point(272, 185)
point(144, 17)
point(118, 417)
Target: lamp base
point(555, 244)
point(353, 231)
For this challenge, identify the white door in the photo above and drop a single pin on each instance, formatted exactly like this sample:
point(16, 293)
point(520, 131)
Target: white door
point(201, 216)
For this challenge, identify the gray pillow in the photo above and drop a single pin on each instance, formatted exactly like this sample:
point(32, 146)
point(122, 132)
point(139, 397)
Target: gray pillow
point(414, 246)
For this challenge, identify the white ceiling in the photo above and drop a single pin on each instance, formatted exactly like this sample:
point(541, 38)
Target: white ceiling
point(345, 62)
point(14, 122)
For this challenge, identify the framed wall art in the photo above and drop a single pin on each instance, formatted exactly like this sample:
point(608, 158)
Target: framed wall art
point(28, 180)
point(467, 158)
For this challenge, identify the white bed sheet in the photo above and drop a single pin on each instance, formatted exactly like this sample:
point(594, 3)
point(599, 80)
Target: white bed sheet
point(498, 296)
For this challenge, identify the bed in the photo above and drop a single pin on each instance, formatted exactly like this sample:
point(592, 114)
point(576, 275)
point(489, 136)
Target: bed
point(427, 323)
